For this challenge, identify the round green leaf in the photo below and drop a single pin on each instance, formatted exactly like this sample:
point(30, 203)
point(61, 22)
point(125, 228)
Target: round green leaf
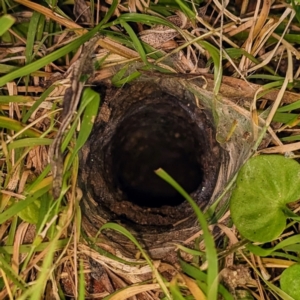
point(265, 184)
point(290, 281)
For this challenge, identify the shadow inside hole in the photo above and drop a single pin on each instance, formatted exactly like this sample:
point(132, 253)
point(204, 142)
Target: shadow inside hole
point(156, 136)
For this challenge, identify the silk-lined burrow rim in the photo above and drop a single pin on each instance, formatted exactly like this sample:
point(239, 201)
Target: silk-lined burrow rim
point(140, 129)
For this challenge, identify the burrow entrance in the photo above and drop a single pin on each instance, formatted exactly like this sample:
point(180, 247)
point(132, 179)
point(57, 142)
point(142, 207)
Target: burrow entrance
point(139, 129)
point(149, 138)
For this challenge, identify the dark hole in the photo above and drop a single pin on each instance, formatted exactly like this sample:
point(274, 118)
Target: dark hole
point(156, 136)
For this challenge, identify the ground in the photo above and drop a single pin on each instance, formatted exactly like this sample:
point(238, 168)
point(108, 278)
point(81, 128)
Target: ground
point(229, 69)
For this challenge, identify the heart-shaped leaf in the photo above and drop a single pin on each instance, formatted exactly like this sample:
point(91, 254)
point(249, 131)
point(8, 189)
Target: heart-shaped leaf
point(265, 184)
point(290, 281)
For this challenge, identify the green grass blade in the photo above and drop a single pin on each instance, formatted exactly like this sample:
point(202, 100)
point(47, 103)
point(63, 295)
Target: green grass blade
point(119, 75)
point(15, 99)
point(17, 207)
point(109, 13)
point(289, 107)
point(91, 101)
point(186, 10)
point(48, 58)
point(175, 291)
point(10, 273)
point(71, 131)
point(92, 245)
point(296, 7)
point(81, 292)
point(266, 76)
point(120, 82)
point(141, 18)
point(127, 234)
point(295, 239)
point(196, 273)
point(11, 124)
point(7, 68)
point(285, 117)
point(215, 54)
point(291, 138)
point(211, 253)
point(32, 29)
point(29, 142)
point(37, 290)
point(40, 28)
point(237, 53)
point(287, 256)
point(6, 22)
point(37, 104)
point(26, 248)
point(190, 251)
point(38, 181)
point(136, 42)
